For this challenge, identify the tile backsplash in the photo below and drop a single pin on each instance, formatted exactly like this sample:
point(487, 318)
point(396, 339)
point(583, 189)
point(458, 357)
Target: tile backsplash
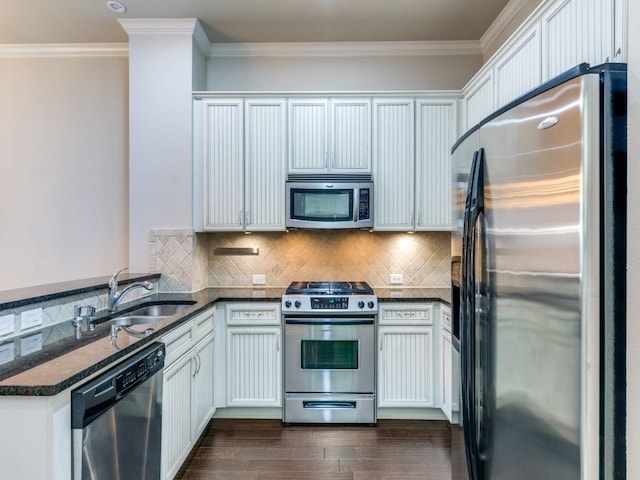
point(422, 258)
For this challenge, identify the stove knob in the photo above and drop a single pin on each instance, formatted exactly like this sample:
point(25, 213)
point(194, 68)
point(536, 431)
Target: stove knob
point(371, 304)
point(297, 304)
point(287, 303)
point(360, 304)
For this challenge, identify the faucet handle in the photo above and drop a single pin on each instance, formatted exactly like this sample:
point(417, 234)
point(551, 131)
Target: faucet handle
point(82, 312)
point(114, 277)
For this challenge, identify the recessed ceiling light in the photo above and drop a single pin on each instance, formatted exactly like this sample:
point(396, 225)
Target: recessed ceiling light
point(116, 7)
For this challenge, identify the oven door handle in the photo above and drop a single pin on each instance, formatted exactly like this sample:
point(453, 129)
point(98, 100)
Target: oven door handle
point(328, 321)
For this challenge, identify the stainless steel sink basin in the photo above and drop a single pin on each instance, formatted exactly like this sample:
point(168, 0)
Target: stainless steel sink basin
point(148, 314)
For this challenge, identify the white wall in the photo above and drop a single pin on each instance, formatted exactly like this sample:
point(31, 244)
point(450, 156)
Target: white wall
point(323, 73)
point(633, 276)
point(63, 169)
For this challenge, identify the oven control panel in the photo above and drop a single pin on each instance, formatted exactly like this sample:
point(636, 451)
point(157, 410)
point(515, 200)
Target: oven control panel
point(329, 303)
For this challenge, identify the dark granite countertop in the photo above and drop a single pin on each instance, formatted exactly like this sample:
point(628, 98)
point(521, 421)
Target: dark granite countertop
point(64, 360)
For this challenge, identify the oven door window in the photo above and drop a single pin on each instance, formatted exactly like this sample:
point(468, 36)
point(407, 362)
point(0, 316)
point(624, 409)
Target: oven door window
point(329, 354)
point(321, 205)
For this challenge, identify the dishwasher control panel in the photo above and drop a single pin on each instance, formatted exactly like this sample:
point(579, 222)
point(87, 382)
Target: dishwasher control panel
point(140, 370)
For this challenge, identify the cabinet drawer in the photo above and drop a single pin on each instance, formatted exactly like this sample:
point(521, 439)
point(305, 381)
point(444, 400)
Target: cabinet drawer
point(203, 325)
point(406, 314)
point(178, 342)
point(253, 314)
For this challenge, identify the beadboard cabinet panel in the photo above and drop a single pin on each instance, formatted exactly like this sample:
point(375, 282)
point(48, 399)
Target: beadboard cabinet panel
point(518, 70)
point(265, 164)
point(435, 134)
point(308, 139)
point(393, 168)
point(479, 99)
point(406, 375)
point(577, 31)
point(350, 135)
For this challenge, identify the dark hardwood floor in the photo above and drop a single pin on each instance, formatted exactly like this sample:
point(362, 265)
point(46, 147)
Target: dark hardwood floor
point(264, 449)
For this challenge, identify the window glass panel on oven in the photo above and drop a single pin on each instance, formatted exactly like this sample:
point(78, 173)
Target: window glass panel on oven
point(329, 354)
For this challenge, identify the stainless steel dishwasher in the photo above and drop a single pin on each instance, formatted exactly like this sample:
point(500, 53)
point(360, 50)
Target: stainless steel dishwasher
point(117, 420)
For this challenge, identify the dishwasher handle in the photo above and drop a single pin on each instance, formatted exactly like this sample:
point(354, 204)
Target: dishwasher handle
point(94, 398)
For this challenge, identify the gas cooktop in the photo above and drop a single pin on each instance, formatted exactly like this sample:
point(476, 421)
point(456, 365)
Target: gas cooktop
point(329, 288)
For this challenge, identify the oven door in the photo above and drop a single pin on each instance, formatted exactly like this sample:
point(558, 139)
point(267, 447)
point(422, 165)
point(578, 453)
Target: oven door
point(329, 355)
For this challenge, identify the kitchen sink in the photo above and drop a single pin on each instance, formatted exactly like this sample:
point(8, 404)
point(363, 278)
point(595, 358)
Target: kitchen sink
point(148, 314)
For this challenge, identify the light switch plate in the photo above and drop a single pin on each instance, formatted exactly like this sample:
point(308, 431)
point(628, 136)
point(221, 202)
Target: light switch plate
point(259, 279)
point(7, 353)
point(31, 318)
point(396, 279)
point(7, 324)
point(30, 344)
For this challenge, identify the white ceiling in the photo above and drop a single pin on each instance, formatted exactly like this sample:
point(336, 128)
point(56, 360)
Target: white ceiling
point(89, 21)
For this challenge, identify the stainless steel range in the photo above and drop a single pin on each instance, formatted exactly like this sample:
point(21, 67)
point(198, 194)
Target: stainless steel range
point(329, 352)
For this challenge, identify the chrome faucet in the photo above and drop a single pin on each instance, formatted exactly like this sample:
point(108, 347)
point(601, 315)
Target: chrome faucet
point(115, 296)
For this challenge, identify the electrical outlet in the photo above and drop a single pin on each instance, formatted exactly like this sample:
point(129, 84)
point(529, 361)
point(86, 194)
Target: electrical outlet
point(31, 318)
point(396, 279)
point(259, 279)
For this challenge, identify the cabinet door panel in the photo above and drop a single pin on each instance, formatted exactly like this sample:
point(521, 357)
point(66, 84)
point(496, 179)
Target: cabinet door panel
point(223, 164)
point(254, 367)
point(394, 164)
point(265, 150)
point(405, 377)
point(577, 31)
point(351, 135)
point(479, 99)
point(446, 374)
point(308, 135)
point(203, 391)
point(176, 415)
point(436, 132)
point(518, 70)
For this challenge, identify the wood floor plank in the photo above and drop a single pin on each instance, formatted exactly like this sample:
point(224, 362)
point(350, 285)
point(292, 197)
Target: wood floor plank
point(265, 449)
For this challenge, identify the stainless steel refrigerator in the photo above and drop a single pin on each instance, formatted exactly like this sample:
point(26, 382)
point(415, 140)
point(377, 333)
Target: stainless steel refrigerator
point(540, 231)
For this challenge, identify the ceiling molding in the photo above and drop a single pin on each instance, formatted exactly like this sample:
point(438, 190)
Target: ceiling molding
point(344, 49)
point(64, 50)
point(158, 25)
point(501, 22)
point(201, 38)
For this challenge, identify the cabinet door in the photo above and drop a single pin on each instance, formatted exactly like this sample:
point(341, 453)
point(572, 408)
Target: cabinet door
point(254, 367)
point(446, 374)
point(223, 164)
point(177, 434)
point(308, 135)
point(350, 122)
point(265, 163)
point(576, 31)
point(479, 99)
point(405, 367)
point(203, 384)
point(518, 69)
point(393, 168)
point(436, 133)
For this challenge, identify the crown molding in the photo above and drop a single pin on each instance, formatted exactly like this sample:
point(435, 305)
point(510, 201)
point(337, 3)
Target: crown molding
point(64, 50)
point(501, 22)
point(158, 25)
point(343, 49)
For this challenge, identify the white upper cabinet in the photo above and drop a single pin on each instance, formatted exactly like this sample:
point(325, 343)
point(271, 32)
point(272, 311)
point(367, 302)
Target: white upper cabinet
point(393, 163)
point(435, 134)
point(479, 98)
point(329, 135)
point(265, 164)
point(577, 31)
point(240, 161)
point(518, 70)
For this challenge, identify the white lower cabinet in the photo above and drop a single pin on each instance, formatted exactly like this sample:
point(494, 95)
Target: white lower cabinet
point(187, 398)
point(406, 374)
point(254, 355)
point(449, 367)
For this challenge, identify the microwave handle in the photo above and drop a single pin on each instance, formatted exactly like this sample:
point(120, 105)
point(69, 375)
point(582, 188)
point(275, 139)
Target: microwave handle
point(356, 206)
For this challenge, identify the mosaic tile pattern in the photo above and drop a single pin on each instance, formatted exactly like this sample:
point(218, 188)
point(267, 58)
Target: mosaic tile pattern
point(422, 258)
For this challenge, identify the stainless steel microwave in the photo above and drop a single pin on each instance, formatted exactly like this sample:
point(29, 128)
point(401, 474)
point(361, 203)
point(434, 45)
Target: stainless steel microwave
point(330, 204)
